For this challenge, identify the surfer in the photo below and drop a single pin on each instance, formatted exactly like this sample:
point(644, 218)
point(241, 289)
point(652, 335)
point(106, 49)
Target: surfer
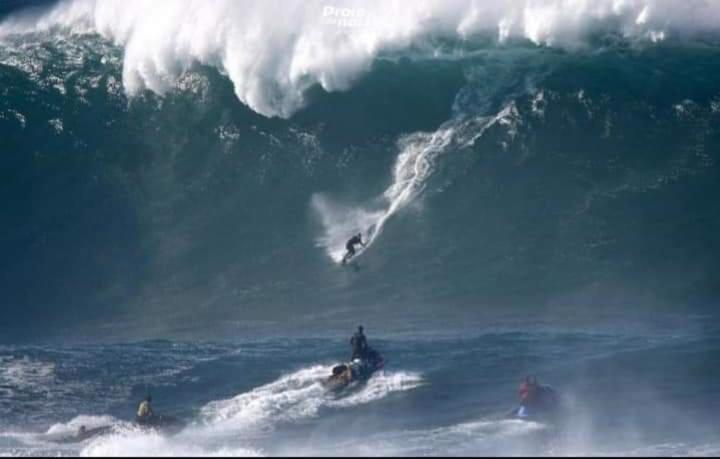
point(350, 246)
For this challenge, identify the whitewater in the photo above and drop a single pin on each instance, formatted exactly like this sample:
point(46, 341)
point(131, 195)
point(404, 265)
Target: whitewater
point(273, 58)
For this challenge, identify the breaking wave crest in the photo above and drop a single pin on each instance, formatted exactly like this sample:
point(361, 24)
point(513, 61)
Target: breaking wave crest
point(273, 58)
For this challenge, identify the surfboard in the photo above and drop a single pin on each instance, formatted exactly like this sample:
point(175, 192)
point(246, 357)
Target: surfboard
point(344, 262)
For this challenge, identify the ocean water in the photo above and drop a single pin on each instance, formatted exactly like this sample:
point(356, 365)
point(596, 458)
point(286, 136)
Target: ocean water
point(649, 394)
point(537, 182)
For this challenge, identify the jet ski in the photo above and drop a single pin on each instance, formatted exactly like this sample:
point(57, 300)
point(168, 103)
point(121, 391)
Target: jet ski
point(357, 370)
point(544, 406)
point(162, 423)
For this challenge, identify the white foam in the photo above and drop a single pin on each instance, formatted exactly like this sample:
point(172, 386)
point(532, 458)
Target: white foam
point(18, 116)
point(296, 396)
point(413, 168)
point(274, 51)
point(133, 442)
point(228, 427)
point(57, 124)
point(464, 439)
point(71, 427)
point(26, 374)
point(379, 386)
point(340, 221)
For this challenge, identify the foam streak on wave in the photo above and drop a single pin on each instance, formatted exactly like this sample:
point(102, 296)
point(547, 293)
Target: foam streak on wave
point(413, 168)
point(273, 55)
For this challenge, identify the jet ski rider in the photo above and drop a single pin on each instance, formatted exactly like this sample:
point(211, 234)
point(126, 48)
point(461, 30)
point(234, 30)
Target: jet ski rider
point(528, 390)
point(145, 412)
point(359, 344)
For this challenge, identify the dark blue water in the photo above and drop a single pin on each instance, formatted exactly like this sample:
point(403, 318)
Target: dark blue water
point(530, 209)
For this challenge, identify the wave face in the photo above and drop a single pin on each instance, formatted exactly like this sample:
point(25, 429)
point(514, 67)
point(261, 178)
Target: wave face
point(188, 167)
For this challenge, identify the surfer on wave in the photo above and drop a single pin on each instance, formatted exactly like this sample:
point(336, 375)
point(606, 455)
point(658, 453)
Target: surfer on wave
point(350, 246)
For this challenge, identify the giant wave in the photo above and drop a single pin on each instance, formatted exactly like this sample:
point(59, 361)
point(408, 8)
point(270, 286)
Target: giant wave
point(187, 167)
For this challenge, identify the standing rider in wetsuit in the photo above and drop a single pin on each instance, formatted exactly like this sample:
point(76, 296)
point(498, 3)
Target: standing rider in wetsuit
point(350, 246)
point(359, 344)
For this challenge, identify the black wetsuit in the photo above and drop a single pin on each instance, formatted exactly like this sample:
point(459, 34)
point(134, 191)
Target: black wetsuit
point(359, 345)
point(350, 246)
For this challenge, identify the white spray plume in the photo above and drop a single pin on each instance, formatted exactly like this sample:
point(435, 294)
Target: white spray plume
point(273, 51)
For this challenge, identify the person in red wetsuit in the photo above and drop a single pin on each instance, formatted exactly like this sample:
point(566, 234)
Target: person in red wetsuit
point(528, 390)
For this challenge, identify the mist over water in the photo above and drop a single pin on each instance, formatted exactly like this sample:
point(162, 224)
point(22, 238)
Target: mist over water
point(536, 182)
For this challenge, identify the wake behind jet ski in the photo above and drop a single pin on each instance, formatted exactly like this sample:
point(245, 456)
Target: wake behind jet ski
point(83, 434)
point(363, 363)
point(537, 402)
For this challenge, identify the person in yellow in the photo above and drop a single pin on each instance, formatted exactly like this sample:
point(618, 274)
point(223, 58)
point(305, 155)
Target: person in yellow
point(145, 412)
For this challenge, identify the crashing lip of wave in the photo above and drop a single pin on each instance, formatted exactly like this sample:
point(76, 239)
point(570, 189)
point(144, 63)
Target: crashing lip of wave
point(273, 59)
